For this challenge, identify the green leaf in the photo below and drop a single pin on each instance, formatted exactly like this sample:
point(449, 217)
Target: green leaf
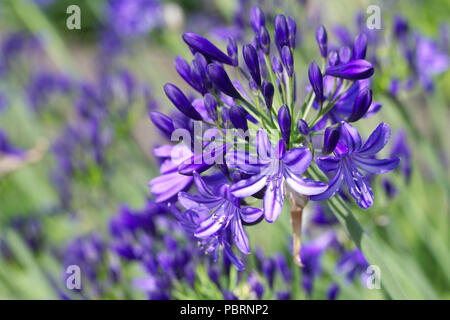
point(361, 239)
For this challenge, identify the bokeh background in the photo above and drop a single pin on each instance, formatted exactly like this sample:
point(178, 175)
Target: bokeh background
point(76, 153)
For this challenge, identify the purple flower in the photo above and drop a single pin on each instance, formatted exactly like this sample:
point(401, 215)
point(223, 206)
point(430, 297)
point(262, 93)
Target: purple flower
point(360, 47)
point(400, 148)
point(180, 101)
point(219, 212)
point(302, 127)
point(268, 92)
point(251, 60)
point(134, 17)
point(288, 60)
point(322, 39)
point(273, 167)
point(205, 47)
point(257, 19)
point(211, 106)
point(233, 51)
point(345, 54)
point(281, 31)
point(316, 80)
point(264, 41)
point(284, 121)
point(220, 78)
point(361, 105)
point(292, 28)
point(350, 157)
point(170, 182)
point(163, 123)
point(353, 70)
point(430, 61)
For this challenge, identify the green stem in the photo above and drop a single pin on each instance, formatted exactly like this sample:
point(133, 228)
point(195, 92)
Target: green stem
point(362, 240)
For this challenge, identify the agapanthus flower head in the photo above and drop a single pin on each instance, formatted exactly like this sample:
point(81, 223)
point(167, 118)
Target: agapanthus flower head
point(264, 139)
point(351, 157)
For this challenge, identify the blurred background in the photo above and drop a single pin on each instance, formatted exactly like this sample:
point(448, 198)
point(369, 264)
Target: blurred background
point(76, 153)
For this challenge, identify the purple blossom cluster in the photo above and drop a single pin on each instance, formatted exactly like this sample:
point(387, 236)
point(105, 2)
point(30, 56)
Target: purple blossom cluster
point(261, 142)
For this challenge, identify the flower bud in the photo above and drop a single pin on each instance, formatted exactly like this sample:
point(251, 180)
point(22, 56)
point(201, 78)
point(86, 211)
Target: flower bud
point(211, 106)
point(221, 80)
point(360, 47)
point(316, 80)
point(284, 120)
point(288, 60)
point(251, 60)
point(361, 105)
point(267, 90)
point(330, 139)
point(162, 122)
point(322, 39)
point(205, 47)
point(302, 127)
point(232, 51)
point(180, 101)
point(353, 70)
point(281, 31)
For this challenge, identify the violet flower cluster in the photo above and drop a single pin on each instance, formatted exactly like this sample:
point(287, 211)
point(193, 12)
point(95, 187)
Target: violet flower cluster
point(261, 142)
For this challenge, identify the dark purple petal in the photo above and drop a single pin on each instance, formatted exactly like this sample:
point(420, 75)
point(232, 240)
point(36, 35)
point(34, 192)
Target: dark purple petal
point(353, 70)
point(350, 137)
point(184, 70)
point(288, 60)
point(205, 47)
point(181, 102)
point(297, 160)
point(257, 19)
point(211, 106)
point(330, 139)
point(328, 163)
point(239, 236)
point(250, 214)
point(358, 186)
point(232, 51)
point(322, 39)
point(284, 120)
point(251, 60)
point(375, 166)
point(238, 118)
point(268, 92)
point(162, 122)
point(202, 188)
point(281, 31)
point(292, 28)
point(361, 105)
point(333, 186)
point(360, 46)
point(316, 80)
point(302, 127)
point(220, 78)
point(264, 40)
point(376, 141)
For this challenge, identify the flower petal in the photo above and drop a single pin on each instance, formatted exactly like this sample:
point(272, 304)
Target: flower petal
point(239, 236)
point(297, 159)
point(248, 187)
point(377, 140)
point(358, 186)
point(304, 186)
point(263, 145)
point(243, 161)
point(376, 166)
point(250, 214)
point(328, 163)
point(333, 186)
point(350, 137)
point(273, 199)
